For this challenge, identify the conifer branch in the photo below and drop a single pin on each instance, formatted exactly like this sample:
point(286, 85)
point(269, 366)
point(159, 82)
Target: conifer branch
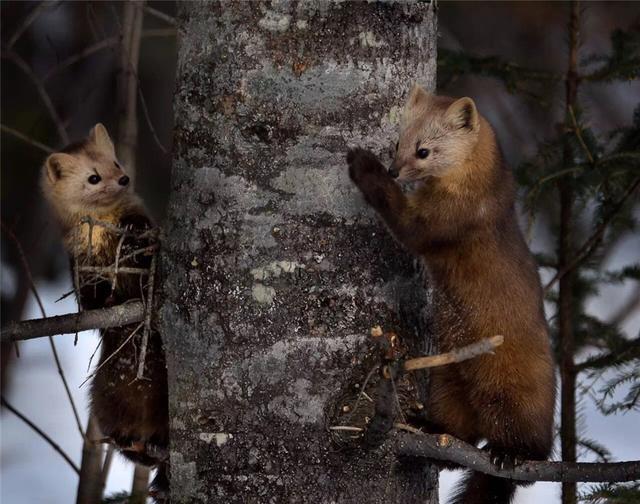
point(592, 242)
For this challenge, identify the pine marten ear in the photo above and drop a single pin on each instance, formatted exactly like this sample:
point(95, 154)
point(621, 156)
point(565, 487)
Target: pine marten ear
point(417, 96)
point(462, 113)
point(416, 102)
point(101, 139)
point(56, 164)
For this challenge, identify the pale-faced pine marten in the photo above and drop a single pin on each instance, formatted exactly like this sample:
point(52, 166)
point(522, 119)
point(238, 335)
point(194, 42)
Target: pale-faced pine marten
point(461, 221)
point(85, 180)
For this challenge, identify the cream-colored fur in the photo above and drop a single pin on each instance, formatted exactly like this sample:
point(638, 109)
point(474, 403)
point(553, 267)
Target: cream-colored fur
point(65, 184)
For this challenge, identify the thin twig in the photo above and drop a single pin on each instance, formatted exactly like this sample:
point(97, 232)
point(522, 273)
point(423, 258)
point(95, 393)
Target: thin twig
point(587, 248)
point(42, 92)
point(26, 139)
point(147, 117)
point(54, 351)
point(95, 372)
point(483, 346)
point(106, 43)
point(31, 17)
point(348, 428)
point(160, 15)
point(147, 319)
point(446, 447)
point(41, 433)
point(114, 284)
point(85, 53)
point(111, 270)
point(94, 353)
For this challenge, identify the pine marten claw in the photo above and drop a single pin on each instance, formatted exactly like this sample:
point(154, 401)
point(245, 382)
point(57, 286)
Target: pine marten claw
point(505, 461)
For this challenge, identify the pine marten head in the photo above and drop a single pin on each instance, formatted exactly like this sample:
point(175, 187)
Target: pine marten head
point(436, 134)
point(85, 177)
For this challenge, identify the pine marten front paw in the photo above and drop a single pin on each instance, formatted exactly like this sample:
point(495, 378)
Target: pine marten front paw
point(364, 166)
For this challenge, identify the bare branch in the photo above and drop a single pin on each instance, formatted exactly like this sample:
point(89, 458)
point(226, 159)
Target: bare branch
point(26, 139)
point(446, 447)
point(111, 270)
point(42, 92)
point(54, 351)
point(106, 43)
point(486, 345)
point(85, 53)
point(147, 319)
point(31, 17)
point(127, 83)
point(104, 318)
point(90, 486)
point(160, 15)
point(115, 352)
point(140, 484)
point(41, 433)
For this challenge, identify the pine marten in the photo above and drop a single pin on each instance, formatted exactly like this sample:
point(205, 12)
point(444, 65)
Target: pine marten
point(85, 181)
point(461, 221)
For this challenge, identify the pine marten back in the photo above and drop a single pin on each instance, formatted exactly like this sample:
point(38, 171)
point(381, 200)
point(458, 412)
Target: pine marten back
point(103, 221)
point(461, 221)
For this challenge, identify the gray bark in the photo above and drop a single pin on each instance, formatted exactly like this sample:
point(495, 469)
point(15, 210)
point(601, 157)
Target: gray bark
point(274, 267)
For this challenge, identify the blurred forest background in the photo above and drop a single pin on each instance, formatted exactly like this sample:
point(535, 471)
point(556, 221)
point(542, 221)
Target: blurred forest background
point(60, 71)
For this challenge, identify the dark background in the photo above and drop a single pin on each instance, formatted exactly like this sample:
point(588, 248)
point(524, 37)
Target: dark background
point(532, 34)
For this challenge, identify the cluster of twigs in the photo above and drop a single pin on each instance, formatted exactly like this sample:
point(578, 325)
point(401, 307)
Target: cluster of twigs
point(410, 441)
point(116, 316)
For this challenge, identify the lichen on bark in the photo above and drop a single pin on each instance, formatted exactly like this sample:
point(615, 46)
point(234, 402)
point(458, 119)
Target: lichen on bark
point(274, 268)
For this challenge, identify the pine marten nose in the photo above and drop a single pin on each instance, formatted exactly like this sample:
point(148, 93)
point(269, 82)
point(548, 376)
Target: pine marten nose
point(393, 171)
point(123, 181)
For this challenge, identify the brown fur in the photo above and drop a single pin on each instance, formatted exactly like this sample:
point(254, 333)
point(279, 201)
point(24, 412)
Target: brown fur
point(462, 222)
point(132, 413)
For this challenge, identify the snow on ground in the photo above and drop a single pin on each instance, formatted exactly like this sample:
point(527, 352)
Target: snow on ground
point(33, 473)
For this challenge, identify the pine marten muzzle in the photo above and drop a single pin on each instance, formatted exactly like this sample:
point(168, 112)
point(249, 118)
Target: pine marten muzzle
point(462, 222)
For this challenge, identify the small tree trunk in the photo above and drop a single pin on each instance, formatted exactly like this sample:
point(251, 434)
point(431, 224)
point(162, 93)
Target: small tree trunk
point(91, 482)
point(127, 96)
point(274, 267)
point(140, 485)
point(568, 439)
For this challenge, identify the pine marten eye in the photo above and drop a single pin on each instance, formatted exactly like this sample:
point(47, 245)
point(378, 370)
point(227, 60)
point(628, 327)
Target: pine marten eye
point(117, 164)
point(94, 179)
point(422, 153)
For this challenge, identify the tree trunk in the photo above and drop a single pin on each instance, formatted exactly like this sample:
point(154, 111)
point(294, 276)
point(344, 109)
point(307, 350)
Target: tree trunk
point(127, 96)
point(566, 252)
point(91, 483)
point(275, 269)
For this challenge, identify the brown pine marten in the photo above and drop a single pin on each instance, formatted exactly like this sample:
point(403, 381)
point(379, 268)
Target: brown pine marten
point(461, 221)
point(85, 181)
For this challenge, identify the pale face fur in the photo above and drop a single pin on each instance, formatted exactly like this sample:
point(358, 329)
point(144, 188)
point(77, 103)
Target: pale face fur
point(448, 129)
point(67, 178)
